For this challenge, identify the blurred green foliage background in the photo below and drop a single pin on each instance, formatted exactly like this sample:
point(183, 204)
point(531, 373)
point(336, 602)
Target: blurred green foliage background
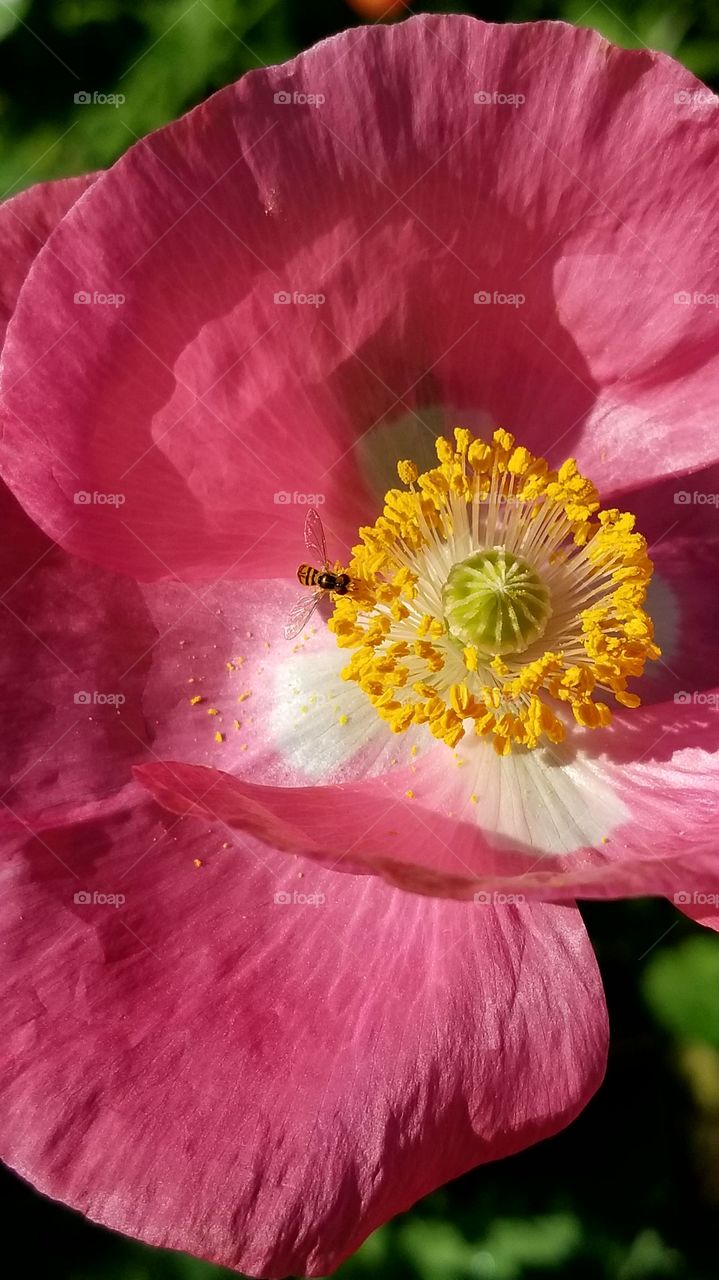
point(164, 56)
point(631, 1190)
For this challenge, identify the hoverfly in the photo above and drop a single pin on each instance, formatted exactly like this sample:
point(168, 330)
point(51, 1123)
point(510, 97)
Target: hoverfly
point(325, 580)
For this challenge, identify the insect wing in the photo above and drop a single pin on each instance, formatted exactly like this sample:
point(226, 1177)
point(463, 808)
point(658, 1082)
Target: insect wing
point(300, 614)
point(315, 536)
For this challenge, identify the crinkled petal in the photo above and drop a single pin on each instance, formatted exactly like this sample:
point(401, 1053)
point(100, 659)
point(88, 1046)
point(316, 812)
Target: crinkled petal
point(244, 343)
point(258, 1060)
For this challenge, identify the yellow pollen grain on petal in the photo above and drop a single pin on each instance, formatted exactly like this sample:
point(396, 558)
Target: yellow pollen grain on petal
point(195, 702)
point(219, 737)
point(409, 795)
point(212, 711)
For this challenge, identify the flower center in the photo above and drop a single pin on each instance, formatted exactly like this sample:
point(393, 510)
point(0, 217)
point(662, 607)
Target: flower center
point(492, 594)
point(496, 601)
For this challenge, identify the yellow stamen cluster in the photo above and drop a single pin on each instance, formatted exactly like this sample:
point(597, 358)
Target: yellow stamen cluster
point(482, 495)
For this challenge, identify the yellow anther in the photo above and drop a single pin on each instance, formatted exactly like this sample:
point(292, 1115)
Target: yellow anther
point(471, 657)
point(462, 439)
point(520, 461)
point(627, 699)
point(459, 697)
point(407, 471)
point(480, 456)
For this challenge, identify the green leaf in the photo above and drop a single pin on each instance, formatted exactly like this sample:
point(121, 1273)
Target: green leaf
point(681, 987)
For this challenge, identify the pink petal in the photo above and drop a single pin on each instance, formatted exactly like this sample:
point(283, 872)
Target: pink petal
point(26, 221)
point(99, 673)
point(71, 710)
point(199, 399)
point(264, 1082)
point(516, 825)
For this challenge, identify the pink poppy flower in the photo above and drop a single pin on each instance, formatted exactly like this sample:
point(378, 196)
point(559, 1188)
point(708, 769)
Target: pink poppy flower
point(230, 1028)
